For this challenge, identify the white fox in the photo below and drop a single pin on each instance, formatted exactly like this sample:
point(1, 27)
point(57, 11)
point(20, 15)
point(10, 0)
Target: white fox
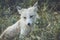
point(23, 26)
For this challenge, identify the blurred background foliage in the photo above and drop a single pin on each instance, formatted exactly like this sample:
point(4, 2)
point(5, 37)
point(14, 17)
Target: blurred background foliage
point(47, 27)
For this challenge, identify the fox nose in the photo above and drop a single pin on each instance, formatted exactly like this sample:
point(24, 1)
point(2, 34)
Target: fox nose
point(29, 24)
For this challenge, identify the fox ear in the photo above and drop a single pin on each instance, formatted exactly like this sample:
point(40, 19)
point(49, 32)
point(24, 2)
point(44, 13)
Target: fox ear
point(35, 6)
point(19, 9)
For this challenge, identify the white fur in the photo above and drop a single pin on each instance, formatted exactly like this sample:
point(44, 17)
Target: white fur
point(21, 26)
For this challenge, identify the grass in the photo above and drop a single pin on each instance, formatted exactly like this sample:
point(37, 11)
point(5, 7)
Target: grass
point(48, 27)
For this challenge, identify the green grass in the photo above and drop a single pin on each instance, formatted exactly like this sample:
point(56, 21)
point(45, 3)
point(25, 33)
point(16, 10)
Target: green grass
point(47, 29)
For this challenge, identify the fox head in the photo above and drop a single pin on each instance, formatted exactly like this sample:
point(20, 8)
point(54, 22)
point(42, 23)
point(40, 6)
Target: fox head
point(29, 15)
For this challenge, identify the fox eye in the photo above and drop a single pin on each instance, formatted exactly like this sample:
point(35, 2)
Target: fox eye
point(24, 17)
point(31, 16)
